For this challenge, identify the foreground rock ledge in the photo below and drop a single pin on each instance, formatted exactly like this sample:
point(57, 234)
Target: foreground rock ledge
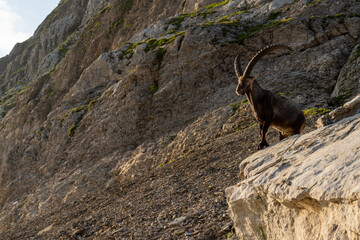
point(306, 187)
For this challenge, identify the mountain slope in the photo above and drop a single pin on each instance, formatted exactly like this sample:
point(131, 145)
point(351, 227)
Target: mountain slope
point(126, 122)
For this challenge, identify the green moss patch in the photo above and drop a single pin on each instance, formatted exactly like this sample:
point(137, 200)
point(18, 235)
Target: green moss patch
point(154, 88)
point(129, 51)
point(19, 71)
point(249, 30)
point(316, 111)
point(340, 18)
point(118, 23)
point(235, 106)
point(340, 99)
point(176, 21)
point(225, 20)
point(84, 110)
point(91, 104)
point(273, 15)
point(105, 9)
point(215, 5)
point(313, 2)
point(8, 100)
point(152, 44)
point(160, 54)
point(284, 94)
point(203, 12)
point(126, 5)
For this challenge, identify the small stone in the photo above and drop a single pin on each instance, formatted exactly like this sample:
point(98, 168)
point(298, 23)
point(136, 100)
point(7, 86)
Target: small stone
point(227, 227)
point(47, 229)
point(177, 221)
point(179, 232)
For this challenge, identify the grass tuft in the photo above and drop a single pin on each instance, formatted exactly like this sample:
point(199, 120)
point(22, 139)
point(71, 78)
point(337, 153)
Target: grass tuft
point(316, 111)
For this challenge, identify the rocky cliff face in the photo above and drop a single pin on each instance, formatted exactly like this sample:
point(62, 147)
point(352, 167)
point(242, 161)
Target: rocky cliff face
point(119, 118)
point(306, 187)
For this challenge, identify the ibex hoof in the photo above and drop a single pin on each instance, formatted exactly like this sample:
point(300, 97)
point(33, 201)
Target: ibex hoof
point(262, 146)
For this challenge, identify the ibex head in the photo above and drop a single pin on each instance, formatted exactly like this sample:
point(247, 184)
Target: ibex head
point(244, 79)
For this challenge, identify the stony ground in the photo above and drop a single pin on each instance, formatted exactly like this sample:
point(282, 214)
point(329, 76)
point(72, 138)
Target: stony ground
point(180, 200)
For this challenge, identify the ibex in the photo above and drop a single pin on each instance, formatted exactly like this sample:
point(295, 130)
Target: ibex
point(268, 109)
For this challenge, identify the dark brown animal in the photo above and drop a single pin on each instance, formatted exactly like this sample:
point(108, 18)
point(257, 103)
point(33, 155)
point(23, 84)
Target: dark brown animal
point(268, 109)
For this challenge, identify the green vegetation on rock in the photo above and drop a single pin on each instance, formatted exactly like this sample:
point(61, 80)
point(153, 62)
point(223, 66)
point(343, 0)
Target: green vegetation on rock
point(340, 18)
point(204, 12)
point(104, 10)
point(177, 21)
point(316, 111)
point(235, 106)
point(273, 15)
point(313, 2)
point(129, 51)
point(214, 5)
point(7, 101)
point(19, 71)
point(84, 110)
point(126, 5)
point(91, 104)
point(154, 88)
point(160, 54)
point(249, 30)
point(152, 44)
point(340, 99)
point(223, 21)
point(118, 23)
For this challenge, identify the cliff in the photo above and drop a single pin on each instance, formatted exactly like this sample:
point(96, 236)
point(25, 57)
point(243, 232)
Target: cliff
point(306, 187)
point(120, 120)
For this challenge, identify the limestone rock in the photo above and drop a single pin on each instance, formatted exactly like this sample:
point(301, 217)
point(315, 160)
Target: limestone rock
point(306, 187)
point(348, 83)
point(348, 109)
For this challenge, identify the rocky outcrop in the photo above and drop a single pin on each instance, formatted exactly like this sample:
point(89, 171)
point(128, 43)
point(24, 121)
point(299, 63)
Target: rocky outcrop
point(348, 83)
point(348, 109)
point(306, 187)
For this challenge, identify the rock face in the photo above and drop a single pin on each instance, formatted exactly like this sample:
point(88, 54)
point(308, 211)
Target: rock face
point(306, 187)
point(348, 83)
point(120, 117)
point(348, 109)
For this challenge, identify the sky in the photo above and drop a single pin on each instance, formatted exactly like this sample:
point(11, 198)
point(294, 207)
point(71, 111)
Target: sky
point(19, 19)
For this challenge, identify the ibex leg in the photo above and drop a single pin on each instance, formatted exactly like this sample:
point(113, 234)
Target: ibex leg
point(263, 129)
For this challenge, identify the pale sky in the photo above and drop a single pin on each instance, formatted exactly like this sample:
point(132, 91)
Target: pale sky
point(19, 19)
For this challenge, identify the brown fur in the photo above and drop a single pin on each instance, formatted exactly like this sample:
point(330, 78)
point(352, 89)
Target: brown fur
point(268, 109)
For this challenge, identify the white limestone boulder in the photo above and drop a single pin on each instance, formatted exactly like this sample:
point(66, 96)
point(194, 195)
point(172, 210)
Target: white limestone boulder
point(306, 187)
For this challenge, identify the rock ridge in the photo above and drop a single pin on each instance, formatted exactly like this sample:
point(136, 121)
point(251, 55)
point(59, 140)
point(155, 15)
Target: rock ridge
point(309, 181)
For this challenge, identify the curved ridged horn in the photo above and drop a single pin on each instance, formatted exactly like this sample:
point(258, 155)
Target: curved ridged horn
point(237, 66)
point(259, 55)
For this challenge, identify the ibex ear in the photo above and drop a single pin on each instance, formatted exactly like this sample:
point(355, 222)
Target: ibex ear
point(251, 78)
